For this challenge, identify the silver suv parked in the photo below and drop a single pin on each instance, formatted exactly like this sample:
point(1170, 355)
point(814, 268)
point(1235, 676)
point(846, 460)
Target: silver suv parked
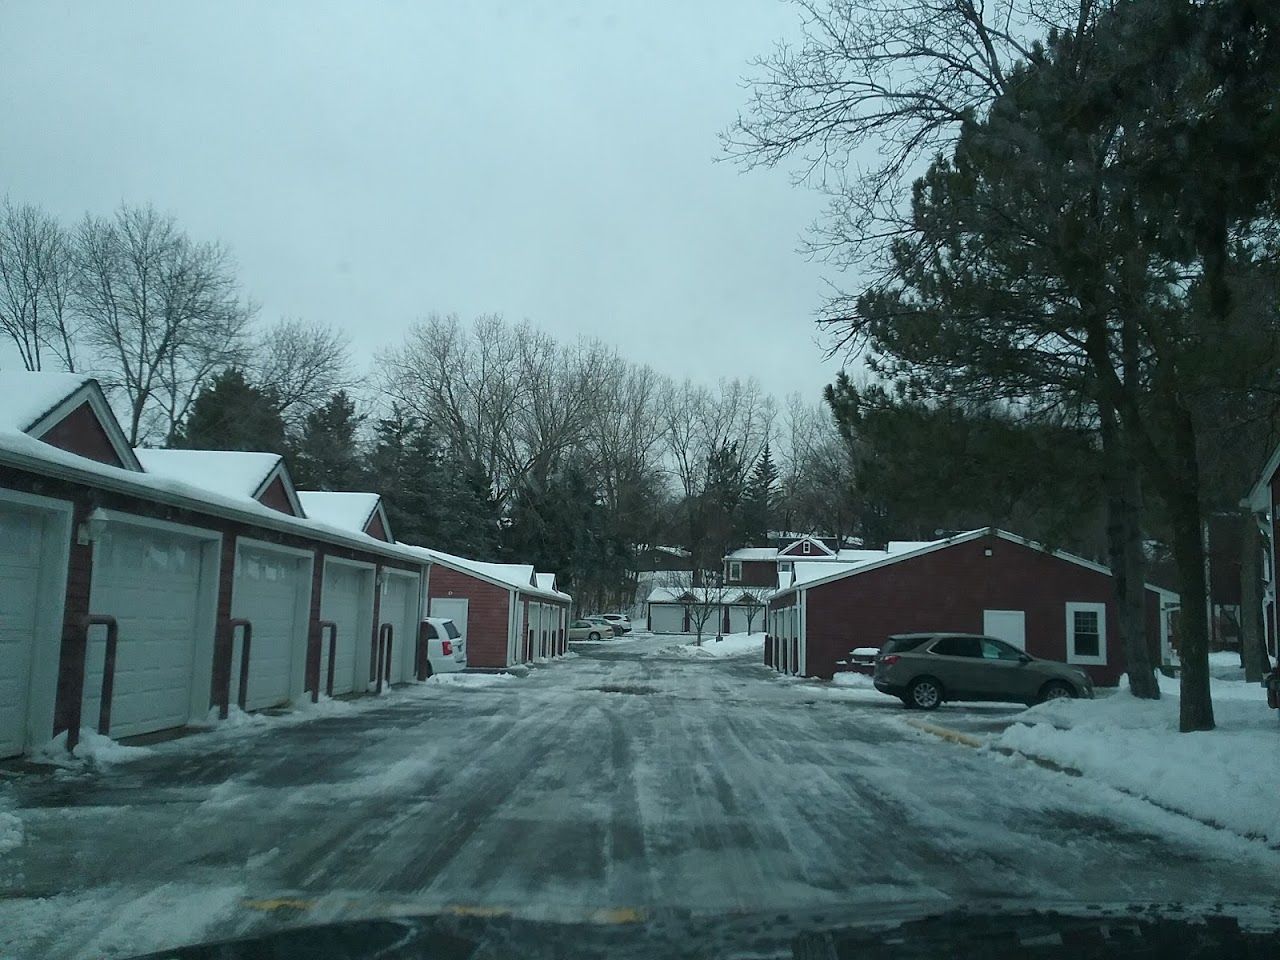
point(924, 669)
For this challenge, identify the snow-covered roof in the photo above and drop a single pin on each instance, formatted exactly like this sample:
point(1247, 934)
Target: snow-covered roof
point(853, 556)
point(754, 553)
point(806, 571)
point(905, 546)
point(519, 576)
point(727, 595)
point(827, 572)
point(232, 473)
point(26, 396)
point(349, 510)
point(22, 452)
point(1259, 497)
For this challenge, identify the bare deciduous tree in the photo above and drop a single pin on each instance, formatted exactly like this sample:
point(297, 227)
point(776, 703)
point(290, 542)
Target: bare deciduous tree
point(35, 286)
point(160, 312)
point(302, 364)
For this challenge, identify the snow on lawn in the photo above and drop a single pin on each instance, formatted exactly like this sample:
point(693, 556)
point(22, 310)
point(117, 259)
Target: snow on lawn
point(729, 645)
point(1224, 777)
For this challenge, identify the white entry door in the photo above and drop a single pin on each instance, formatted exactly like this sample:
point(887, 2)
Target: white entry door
point(1007, 625)
point(399, 608)
point(151, 581)
point(347, 600)
point(33, 568)
point(273, 591)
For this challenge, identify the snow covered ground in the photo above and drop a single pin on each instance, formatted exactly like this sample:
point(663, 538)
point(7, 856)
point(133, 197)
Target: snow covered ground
point(622, 780)
point(1228, 777)
point(729, 645)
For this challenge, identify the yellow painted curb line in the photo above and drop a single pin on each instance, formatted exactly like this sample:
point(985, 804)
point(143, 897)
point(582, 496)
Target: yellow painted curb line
point(952, 736)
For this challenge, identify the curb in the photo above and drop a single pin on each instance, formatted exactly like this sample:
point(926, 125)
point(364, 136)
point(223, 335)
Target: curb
point(945, 733)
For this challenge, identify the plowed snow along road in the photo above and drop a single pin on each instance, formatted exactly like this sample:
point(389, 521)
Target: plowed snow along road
point(620, 779)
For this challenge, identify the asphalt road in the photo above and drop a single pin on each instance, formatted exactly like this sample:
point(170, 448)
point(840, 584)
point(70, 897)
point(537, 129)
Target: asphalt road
point(616, 783)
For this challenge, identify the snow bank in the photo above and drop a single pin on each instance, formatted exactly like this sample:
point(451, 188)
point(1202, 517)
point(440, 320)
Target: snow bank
point(730, 645)
point(11, 832)
point(1227, 777)
point(466, 680)
point(93, 749)
point(859, 680)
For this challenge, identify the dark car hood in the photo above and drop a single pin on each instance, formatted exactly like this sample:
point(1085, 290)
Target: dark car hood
point(896, 932)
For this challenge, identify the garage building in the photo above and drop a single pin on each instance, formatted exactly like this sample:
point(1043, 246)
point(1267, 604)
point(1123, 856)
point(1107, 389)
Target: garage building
point(988, 581)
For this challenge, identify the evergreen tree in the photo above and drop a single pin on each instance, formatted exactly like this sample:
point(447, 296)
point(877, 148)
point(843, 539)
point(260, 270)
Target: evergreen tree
point(231, 414)
point(761, 499)
point(328, 455)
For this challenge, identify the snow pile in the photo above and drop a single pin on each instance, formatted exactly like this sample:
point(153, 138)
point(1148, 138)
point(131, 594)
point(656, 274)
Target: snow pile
point(11, 832)
point(859, 680)
point(729, 645)
point(1226, 777)
point(470, 680)
point(93, 749)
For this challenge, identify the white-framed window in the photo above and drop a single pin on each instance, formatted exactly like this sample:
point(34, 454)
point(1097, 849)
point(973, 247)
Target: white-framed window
point(735, 570)
point(1087, 633)
point(806, 547)
point(784, 566)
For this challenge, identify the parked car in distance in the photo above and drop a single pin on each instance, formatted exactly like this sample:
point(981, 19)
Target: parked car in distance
point(446, 647)
point(620, 622)
point(590, 630)
point(925, 669)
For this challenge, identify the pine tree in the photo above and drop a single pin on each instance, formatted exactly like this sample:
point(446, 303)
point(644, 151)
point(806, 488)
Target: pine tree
point(761, 498)
point(328, 457)
point(231, 414)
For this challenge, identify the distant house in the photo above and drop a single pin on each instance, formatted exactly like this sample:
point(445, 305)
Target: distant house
point(1264, 501)
point(724, 610)
point(1044, 601)
point(773, 567)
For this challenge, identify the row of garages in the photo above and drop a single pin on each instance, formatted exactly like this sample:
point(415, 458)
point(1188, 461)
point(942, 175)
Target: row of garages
point(677, 610)
point(1046, 602)
point(132, 581)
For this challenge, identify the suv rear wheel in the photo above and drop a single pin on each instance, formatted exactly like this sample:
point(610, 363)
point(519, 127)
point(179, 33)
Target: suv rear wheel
point(925, 693)
point(1056, 690)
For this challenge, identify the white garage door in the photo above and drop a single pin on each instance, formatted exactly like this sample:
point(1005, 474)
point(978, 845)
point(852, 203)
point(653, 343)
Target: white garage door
point(347, 601)
point(666, 618)
point(738, 620)
point(149, 580)
point(399, 608)
point(30, 620)
point(273, 591)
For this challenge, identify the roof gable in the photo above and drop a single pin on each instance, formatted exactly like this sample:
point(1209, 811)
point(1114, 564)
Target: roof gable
point(350, 510)
point(67, 411)
point(234, 473)
point(798, 548)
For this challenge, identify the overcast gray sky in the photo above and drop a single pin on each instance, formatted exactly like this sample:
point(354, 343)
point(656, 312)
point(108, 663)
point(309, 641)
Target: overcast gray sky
point(371, 163)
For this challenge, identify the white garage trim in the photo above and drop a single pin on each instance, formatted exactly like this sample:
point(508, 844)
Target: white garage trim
point(363, 636)
point(206, 623)
point(302, 616)
point(801, 666)
point(514, 639)
point(405, 638)
point(46, 650)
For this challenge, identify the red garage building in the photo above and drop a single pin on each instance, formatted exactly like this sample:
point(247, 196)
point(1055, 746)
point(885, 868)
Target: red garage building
point(1047, 602)
point(501, 611)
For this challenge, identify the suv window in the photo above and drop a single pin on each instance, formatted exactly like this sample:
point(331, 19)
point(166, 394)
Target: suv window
point(998, 650)
point(958, 647)
point(431, 632)
point(902, 644)
point(451, 630)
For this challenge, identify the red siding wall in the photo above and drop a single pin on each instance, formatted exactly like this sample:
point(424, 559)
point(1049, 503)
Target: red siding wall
point(948, 590)
point(276, 497)
point(81, 432)
point(486, 614)
point(375, 529)
point(758, 573)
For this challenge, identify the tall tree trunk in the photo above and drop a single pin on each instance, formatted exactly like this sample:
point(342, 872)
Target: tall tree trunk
point(1124, 546)
point(1251, 648)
